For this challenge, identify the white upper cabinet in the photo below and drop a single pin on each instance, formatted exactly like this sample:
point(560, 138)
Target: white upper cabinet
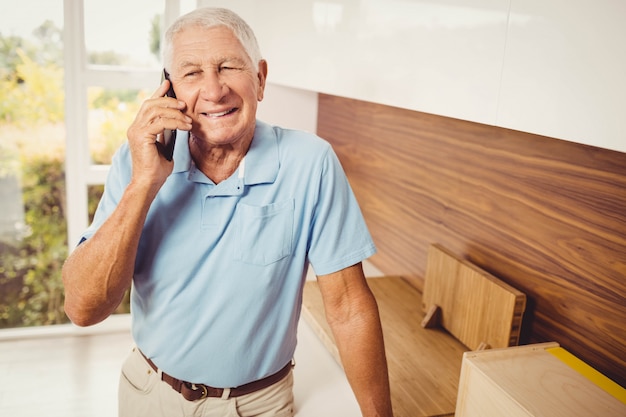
point(565, 71)
point(554, 68)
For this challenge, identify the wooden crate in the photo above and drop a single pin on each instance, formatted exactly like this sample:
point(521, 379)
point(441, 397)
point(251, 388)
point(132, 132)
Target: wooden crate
point(540, 380)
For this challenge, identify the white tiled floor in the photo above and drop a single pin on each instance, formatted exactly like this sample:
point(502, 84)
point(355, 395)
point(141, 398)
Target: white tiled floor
point(71, 373)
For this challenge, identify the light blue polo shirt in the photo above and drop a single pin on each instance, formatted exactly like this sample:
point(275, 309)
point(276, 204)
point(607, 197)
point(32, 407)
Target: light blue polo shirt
point(218, 279)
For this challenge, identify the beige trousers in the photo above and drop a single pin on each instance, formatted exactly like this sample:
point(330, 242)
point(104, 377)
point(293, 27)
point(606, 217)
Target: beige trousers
point(142, 393)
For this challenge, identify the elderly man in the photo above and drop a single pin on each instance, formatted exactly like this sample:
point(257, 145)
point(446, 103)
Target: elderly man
point(216, 242)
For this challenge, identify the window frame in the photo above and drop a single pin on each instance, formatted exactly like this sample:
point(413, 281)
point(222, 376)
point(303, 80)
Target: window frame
point(79, 76)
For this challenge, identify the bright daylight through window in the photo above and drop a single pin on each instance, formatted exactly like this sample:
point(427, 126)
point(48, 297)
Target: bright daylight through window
point(33, 200)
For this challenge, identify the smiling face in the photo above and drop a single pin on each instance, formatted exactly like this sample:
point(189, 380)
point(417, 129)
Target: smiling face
point(214, 76)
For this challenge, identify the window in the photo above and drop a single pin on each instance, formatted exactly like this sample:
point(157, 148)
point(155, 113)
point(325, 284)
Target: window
point(72, 75)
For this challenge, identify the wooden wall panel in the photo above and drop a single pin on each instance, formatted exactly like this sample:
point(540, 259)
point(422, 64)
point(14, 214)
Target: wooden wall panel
point(544, 215)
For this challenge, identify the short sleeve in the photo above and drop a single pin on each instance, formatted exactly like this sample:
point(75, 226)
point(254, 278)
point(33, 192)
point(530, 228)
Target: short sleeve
point(339, 236)
point(116, 182)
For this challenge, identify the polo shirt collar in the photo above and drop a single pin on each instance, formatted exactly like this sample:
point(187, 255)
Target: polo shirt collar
point(262, 158)
point(261, 166)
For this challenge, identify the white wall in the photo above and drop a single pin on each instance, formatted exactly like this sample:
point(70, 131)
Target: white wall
point(289, 107)
point(552, 67)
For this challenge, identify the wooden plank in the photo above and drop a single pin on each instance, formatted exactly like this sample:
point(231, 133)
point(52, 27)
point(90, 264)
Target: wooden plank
point(529, 381)
point(424, 365)
point(477, 308)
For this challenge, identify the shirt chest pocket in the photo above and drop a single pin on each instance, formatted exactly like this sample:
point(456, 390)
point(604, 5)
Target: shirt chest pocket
point(264, 233)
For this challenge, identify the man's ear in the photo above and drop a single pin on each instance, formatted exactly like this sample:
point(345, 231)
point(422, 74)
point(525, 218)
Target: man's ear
point(262, 74)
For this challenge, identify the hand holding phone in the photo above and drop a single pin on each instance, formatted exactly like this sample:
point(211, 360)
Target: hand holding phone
point(166, 146)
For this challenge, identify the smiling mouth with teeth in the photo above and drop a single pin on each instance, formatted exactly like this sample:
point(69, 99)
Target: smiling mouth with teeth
point(220, 114)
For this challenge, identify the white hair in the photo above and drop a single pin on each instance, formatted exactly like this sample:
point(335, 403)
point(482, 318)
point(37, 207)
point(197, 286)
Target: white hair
point(207, 17)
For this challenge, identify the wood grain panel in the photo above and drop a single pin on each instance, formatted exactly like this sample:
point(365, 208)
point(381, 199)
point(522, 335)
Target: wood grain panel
point(546, 216)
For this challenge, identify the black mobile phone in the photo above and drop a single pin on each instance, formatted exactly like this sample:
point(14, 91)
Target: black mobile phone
point(166, 147)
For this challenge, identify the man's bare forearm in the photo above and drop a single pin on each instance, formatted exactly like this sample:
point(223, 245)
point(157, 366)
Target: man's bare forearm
point(362, 351)
point(352, 313)
point(100, 270)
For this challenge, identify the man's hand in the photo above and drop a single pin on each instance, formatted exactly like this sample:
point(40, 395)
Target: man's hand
point(155, 115)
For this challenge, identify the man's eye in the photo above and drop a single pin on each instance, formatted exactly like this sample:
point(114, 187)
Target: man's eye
point(191, 73)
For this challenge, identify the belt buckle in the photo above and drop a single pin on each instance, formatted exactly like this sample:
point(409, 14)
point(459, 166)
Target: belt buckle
point(196, 388)
point(205, 392)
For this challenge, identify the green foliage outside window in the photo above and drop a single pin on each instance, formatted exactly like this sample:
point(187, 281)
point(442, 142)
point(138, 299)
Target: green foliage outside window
point(32, 141)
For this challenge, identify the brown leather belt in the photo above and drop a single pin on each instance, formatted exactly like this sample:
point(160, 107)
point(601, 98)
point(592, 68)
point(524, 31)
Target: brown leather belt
point(193, 392)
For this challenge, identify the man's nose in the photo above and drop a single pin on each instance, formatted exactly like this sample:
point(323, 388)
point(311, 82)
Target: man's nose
point(213, 87)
